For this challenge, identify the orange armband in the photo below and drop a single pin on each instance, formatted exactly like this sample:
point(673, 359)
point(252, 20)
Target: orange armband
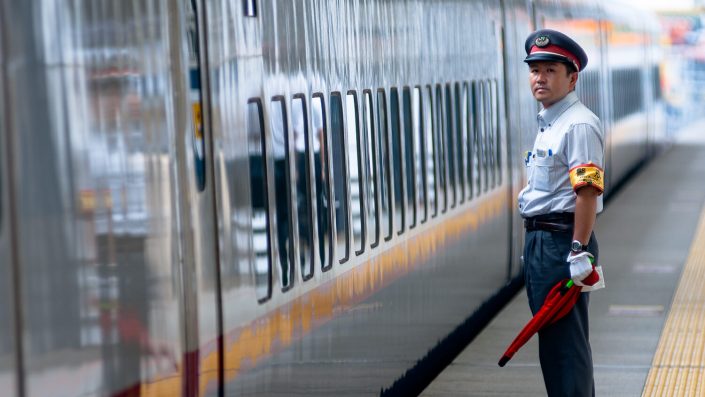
point(587, 175)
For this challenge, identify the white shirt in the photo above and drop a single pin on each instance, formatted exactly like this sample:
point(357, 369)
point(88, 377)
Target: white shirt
point(569, 135)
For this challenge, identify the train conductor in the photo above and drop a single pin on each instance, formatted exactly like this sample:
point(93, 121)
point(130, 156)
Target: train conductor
point(559, 205)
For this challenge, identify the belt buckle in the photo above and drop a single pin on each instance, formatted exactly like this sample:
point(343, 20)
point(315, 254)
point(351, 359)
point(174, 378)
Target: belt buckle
point(529, 223)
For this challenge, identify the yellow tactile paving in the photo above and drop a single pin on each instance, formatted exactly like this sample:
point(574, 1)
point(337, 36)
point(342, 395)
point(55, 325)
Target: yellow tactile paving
point(678, 367)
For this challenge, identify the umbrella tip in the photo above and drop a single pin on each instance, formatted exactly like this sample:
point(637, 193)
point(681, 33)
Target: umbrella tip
point(503, 361)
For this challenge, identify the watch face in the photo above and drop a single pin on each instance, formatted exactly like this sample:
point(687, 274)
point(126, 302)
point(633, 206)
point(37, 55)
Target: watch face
point(576, 246)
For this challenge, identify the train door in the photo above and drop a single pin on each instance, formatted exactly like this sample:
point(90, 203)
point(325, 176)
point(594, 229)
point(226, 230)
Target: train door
point(242, 266)
point(9, 358)
point(201, 305)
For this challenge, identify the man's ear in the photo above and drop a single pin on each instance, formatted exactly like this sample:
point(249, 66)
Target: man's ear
point(574, 79)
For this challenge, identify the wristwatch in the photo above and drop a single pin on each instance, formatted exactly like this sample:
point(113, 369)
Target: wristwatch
point(576, 246)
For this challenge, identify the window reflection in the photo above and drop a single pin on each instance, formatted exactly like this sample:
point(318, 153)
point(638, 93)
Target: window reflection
point(249, 8)
point(409, 165)
point(320, 161)
point(299, 125)
point(496, 138)
point(280, 143)
point(459, 141)
point(258, 195)
point(449, 145)
point(487, 136)
point(467, 121)
point(396, 160)
point(440, 150)
point(477, 136)
point(419, 153)
point(429, 132)
point(355, 164)
point(340, 187)
point(384, 167)
point(371, 192)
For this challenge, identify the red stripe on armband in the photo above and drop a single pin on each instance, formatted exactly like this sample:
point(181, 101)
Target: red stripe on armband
point(587, 175)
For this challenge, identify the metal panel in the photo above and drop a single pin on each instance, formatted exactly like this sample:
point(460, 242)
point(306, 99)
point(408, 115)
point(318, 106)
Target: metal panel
point(296, 340)
point(9, 358)
point(89, 88)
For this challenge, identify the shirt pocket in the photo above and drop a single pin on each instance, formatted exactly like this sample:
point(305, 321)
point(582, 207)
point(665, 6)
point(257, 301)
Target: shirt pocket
point(543, 175)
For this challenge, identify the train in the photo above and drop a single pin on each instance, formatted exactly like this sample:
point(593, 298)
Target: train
point(276, 197)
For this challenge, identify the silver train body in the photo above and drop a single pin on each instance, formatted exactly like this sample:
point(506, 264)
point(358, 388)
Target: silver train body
point(260, 197)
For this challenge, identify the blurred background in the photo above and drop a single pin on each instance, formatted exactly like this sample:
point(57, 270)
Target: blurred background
point(683, 69)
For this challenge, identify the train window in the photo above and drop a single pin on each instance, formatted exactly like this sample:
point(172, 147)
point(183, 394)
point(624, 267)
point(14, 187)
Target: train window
point(439, 133)
point(320, 161)
point(371, 191)
point(489, 130)
point(490, 153)
point(470, 134)
point(356, 163)
point(409, 166)
point(280, 145)
point(477, 136)
point(497, 141)
point(258, 199)
point(627, 93)
point(486, 139)
point(340, 186)
point(419, 154)
point(302, 145)
point(249, 8)
point(397, 177)
point(450, 144)
point(384, 167)
point(588, 90)
point(430, 138)
point(460, 140)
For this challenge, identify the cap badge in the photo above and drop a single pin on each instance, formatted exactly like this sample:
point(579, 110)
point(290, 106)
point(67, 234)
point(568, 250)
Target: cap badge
point(541, 41)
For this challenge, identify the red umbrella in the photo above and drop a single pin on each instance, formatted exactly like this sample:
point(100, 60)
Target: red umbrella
point(558, 303)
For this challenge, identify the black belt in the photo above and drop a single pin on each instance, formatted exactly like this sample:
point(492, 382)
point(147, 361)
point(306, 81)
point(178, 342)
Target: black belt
point(556, 222)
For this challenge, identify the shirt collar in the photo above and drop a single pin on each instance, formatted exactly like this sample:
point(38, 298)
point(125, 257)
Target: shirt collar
point(546, 117)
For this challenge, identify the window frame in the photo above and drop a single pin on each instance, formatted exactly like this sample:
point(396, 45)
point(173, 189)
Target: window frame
point(431, 153)
point(408, 150)
point(361, 158)
point(442, 169)
point(450, 145)
point(385, 172)
point(325, 182)
point(265, 197)
point(343, 163)
point(308, 187)
point(291, 249)
point(372, 165)
point(397, 181)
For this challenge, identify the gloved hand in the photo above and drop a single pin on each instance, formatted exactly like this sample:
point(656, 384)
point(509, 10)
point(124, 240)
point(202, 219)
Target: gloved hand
point(581, 267)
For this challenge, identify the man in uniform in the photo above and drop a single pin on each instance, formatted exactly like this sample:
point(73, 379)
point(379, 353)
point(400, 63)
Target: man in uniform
point(559, 206)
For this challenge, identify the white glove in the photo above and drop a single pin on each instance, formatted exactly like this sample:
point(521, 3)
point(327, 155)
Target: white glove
point(580, 266)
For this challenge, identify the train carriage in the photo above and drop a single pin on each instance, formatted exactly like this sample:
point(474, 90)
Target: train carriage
point(257, 197)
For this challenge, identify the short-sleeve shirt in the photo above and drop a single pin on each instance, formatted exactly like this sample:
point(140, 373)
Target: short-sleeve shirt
point(568, 154)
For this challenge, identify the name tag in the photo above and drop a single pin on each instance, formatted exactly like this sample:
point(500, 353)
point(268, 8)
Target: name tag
point(543, 153)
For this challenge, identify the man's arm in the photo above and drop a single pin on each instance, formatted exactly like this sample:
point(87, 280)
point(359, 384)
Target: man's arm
point(585, 213)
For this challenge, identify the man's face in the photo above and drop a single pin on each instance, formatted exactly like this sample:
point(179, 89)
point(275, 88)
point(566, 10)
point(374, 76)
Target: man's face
point(550, 81)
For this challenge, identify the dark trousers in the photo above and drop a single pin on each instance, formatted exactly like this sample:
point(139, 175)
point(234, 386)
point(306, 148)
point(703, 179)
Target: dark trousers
point(564, 347)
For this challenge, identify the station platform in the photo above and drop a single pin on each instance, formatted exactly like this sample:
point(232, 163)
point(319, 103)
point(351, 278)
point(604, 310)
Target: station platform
point(647, 328)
